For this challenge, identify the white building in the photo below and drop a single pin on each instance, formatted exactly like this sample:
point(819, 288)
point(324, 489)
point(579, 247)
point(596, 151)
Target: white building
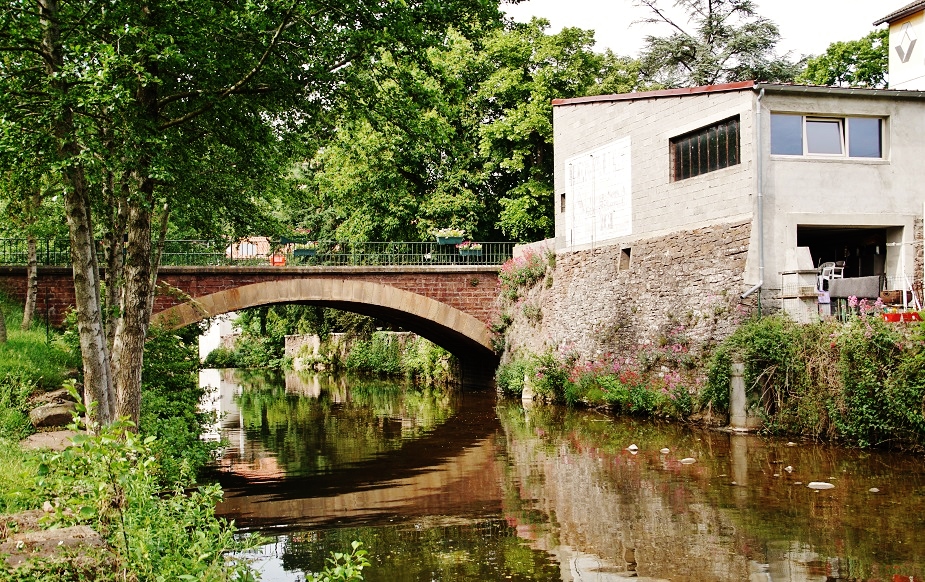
point(822, 174)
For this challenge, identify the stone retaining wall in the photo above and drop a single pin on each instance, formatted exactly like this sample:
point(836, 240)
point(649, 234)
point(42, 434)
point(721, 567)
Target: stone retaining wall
point(681, 287)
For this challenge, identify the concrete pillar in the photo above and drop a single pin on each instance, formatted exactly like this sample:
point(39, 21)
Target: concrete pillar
point(739, 417)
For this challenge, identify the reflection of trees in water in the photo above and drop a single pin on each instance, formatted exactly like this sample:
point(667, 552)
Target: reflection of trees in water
point(426, 549)
point(720, 518)
point(346, 423)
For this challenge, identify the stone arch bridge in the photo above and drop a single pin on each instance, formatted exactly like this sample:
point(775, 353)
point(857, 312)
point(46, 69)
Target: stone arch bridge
point(450, 305)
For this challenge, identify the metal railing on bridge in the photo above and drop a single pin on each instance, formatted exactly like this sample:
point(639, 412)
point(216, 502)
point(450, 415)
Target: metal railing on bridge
point(283, 252)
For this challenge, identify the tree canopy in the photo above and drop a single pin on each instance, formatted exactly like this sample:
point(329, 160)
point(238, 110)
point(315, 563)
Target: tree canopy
point(855, 63)
point(147, 110)
point(722, 41)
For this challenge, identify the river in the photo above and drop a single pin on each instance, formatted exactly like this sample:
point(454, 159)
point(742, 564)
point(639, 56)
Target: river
point(463, 487)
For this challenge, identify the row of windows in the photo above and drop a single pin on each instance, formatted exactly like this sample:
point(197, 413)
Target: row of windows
point(717, 146)
point(800, 135)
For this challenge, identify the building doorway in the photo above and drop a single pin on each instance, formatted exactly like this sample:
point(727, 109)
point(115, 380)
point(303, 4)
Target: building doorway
point(863, 250)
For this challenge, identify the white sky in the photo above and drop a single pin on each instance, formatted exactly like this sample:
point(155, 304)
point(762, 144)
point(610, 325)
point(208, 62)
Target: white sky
point(806, 26)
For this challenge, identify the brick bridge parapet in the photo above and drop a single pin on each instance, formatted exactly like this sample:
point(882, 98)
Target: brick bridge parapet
point(470, 289)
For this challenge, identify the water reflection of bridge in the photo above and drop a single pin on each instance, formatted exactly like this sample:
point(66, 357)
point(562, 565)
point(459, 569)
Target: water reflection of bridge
point(450, 470)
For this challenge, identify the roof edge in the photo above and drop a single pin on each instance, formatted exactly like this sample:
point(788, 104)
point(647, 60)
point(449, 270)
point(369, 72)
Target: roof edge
point(903, 12)
point(634, 96)
point(847, 91)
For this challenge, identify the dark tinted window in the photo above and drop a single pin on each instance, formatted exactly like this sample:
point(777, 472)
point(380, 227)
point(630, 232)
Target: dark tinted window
point(705, 150)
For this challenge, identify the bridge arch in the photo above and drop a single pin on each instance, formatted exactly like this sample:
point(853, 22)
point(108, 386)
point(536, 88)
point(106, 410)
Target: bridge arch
point(465, 336)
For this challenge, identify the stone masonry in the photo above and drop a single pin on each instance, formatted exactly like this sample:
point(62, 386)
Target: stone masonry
point(617, 299)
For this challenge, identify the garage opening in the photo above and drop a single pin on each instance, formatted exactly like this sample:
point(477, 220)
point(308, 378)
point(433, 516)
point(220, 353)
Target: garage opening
point(863, 250)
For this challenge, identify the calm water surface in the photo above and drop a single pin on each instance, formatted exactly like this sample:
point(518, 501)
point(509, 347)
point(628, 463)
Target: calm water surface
point(462, 487)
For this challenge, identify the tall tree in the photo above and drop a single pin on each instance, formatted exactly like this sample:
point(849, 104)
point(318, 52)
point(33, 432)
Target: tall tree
point(137, 96)
point(722, 41)
point(855, 63)
point(462, 139)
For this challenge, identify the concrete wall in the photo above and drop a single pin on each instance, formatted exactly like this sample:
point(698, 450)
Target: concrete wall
point(659, 206)
point(838, 191)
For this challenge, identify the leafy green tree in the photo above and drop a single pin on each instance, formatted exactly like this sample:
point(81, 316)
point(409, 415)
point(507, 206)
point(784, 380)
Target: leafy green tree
point(726, 41)
point(855, 63)
point(156, 109)
point(462, 139)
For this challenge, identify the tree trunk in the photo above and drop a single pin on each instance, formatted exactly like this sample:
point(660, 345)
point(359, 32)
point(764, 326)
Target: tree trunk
point(132, 329)
point(32, 285)
point(98, 385)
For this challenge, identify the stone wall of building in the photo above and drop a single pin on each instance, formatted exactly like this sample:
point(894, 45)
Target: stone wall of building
point(617, 299)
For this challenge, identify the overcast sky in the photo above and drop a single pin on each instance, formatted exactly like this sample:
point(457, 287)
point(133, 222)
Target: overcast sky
point(806, 26)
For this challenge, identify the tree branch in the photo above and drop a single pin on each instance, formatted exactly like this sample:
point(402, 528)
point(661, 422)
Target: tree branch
point(242, 81)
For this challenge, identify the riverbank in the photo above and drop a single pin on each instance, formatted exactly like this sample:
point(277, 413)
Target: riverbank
point(115, 505)
point(859, 382)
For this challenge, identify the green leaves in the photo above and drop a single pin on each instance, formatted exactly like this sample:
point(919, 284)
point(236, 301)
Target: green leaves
point(855, 63)
point(727, 41)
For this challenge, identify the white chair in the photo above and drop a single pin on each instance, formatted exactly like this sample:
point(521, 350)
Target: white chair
point(826, 273)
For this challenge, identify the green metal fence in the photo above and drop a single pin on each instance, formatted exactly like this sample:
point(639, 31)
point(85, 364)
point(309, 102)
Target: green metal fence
point(284, 252)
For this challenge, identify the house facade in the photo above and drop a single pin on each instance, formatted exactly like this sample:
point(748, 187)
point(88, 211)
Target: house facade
point(819, 174)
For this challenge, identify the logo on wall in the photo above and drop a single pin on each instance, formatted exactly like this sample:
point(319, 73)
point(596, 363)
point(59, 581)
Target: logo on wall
point(906, 43)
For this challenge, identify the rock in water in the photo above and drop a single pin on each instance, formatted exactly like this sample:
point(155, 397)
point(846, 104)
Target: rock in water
point(688, 461)
point(820, 485)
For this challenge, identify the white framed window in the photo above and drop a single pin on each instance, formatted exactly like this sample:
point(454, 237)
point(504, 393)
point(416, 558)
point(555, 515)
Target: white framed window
point(825, 136)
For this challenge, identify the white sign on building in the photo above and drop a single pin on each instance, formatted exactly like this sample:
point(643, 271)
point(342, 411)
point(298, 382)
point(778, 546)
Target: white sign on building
point(598, 192)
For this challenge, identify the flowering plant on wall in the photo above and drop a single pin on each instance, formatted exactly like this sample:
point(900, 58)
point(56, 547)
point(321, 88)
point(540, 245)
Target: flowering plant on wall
point(469, 246)
point(310, 245)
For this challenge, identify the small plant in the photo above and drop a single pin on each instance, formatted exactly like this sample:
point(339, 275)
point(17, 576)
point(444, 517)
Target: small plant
point(344, 567)
point(448, 232)
point(533, 313)
point(311, 245)
point(469, 246)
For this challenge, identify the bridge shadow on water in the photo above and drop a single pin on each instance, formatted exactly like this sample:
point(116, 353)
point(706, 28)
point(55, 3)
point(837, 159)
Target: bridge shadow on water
point(451, 470)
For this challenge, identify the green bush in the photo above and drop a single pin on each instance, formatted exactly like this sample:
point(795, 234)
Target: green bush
point(170, 400)
point(523, 271)
point(509, 377)
point(860, 382)
point(427, 362)
point(220, 357)
point(111, 482)
point(380, 354)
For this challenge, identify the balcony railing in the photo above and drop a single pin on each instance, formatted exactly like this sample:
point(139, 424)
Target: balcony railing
point(281, 253)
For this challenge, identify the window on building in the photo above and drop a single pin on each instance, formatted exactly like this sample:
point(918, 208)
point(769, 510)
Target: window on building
point(625, 255)
point(562, 202)
point(706, 149)
point(802, 135)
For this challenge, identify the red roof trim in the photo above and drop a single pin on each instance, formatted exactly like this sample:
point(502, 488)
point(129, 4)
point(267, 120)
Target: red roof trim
point(726, 87)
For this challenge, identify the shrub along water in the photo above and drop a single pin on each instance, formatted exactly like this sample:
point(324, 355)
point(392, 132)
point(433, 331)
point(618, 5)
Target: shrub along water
point(619, 383)
point(860, 382)
point(391, 354)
